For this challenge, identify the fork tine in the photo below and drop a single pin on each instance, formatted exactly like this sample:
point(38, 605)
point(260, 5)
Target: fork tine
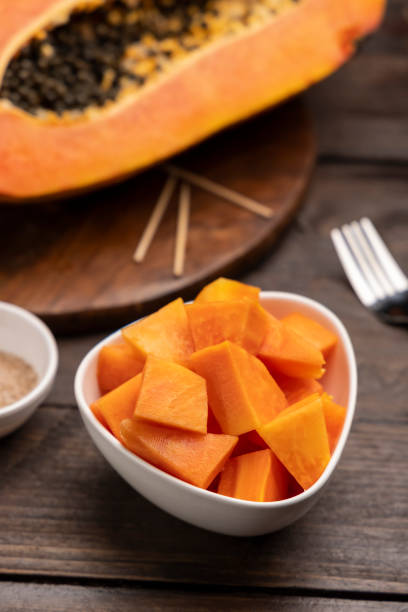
point(362, 263)
point(371, 258)
point(391, 268)
point(353, 272)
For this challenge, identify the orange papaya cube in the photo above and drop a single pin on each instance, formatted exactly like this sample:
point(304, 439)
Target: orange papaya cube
point(285, 352)
point(172, 396)
point(117, 363)
point(98, 414)
point(118, 404)
point(298, 437)
point(257, 476)
point(323, 339)
point(225, 289)
point(165, 334)
point(243, 322)
point(334, 415)
point(296, 389)
point(241, 392)
point(195, 458)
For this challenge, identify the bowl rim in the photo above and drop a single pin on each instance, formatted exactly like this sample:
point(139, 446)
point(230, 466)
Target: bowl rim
point(88, 415)
point(52, 357)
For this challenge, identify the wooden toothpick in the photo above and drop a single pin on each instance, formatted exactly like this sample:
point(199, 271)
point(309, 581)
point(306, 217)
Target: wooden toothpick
point(221, 191)
point(182, 229)
point(155, 219)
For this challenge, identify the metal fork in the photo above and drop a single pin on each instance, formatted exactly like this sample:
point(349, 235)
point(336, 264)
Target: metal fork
point(372, 271)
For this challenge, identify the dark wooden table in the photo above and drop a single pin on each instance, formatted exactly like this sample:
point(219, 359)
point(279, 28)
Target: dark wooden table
point(74, 536)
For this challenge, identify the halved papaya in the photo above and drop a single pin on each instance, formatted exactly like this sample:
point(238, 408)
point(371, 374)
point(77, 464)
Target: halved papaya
point(93, 90)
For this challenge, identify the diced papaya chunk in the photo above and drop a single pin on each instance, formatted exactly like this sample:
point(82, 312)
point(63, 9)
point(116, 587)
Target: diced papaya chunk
point(117, 363)
point(172, 396)
point(312, 331)
point(165, 334)
point(296, 389)
point(257, 476)
point(334, 415)
point(243, 322)
point(241, 392)
point(284, 351)
point(298, 437)
point(195, 458)
point(98, 414)
point(118, 404)
point(225, 289)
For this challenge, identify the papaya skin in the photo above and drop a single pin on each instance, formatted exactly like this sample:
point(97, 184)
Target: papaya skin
point(213, 88)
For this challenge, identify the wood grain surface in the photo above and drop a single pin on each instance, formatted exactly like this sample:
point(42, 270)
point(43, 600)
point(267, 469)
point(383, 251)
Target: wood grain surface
point(36, 598)
point(72, 262)
point(74, 536)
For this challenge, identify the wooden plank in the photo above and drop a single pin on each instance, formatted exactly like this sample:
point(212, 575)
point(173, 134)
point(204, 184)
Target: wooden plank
point(40, 598)
point(64, 512)
point(360, 111)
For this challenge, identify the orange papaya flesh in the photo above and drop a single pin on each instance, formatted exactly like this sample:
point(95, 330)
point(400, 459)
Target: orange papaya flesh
point(226, 289)
point(296, 389)
point(241, 321)
point(285, 352)
point(241, 392)
point(323, 339)
point(118, 404)
point(298, 437)
point(195, 458)
point(160, 112)
point(117, 363)
point(256, 476)
point(334, 415)
point(165, 334)
point(172, 396)
point(98, 414)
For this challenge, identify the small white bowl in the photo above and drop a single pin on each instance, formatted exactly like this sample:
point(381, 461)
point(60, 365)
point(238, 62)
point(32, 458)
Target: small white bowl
point(204, 508)
point(25, 335)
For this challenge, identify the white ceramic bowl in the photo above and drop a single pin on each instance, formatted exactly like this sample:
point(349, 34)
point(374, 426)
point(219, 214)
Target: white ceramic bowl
point(204, 508)
point(26, 336)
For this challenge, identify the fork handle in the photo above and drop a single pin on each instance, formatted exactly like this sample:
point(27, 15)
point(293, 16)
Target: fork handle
point(394, 312)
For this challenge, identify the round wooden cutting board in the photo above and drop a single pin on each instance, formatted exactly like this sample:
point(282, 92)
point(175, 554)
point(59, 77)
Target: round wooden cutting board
point(71, 262)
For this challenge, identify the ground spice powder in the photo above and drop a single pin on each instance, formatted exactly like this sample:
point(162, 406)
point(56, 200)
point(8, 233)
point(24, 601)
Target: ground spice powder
point(17, 378)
